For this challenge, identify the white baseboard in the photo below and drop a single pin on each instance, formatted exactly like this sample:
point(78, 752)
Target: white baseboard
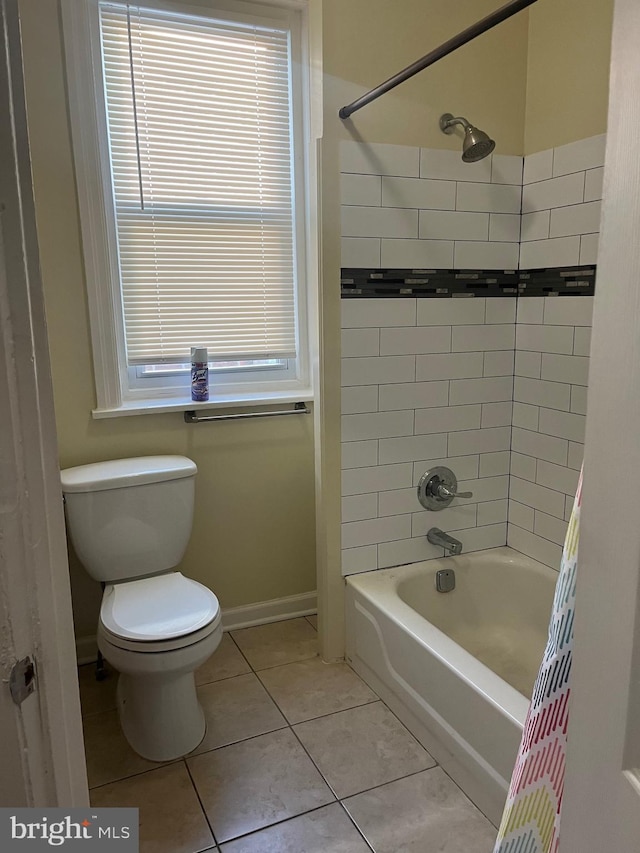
point(275, 610)
point(246, 616)
point(86, 649)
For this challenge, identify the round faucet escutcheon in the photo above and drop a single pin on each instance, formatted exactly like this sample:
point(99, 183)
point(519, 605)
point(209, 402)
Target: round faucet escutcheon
point(438, 487)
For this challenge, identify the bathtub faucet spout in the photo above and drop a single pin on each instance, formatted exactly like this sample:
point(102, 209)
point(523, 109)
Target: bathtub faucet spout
point(443, 540)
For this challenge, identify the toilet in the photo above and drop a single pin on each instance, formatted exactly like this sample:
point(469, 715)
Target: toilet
point(130, 522)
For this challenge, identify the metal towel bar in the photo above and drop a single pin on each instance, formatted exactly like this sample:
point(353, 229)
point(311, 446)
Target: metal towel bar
point(193, 417)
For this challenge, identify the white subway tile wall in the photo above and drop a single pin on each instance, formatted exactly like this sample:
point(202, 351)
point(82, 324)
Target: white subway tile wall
point(550, 397)
point(408, 207)
point(405, 207)
point(538, 167)
point(426, 405)
point(499, 398)
point(561, 205)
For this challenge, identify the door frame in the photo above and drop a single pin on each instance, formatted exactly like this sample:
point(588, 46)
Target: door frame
point(42, 737)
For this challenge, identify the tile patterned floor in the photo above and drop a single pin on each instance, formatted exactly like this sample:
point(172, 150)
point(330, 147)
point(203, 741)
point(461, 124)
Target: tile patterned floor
point(299, 757)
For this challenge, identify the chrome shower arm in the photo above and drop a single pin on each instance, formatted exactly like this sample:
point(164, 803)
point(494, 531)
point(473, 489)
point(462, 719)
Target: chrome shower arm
point(449, 121)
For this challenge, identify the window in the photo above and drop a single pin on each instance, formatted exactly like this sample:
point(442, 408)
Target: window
point(187, 128)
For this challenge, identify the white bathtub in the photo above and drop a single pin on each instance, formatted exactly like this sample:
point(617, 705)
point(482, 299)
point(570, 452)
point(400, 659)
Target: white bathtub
point(457, 667)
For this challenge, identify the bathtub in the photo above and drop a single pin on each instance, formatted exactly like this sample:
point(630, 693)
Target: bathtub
point(457, 668)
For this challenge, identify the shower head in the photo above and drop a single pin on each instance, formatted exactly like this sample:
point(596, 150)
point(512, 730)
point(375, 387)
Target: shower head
point(476, 144)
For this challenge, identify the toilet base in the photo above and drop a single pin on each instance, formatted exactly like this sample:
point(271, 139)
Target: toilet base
point(160, 718)
point(158, 707)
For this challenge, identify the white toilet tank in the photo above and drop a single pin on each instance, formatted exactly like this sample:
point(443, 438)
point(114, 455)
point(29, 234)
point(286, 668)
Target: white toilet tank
point(130, 517)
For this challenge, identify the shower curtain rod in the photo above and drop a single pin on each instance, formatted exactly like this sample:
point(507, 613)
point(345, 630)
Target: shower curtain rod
point(497, 17)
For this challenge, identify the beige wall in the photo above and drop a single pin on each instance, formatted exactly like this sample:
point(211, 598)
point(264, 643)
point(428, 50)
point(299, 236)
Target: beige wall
point(253, 536)
point(568, 71)
point(367, 41)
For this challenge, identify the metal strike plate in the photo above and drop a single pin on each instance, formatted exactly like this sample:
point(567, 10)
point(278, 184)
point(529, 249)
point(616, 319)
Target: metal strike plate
point(22, 681)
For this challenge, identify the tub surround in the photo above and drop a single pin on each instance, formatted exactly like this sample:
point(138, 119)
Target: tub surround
point(417, 392)
point(495, 385)
point(425, 382)
point(561, 193)
point(413, 207)
point(404, 206)
point(562, 188)
point(550, 403)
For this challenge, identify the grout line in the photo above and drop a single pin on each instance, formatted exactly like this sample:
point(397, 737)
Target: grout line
point(158, 766)
point(544, 538)
point(357, 828)
point(306, 751)
point(534, 510)
point(281, 728)
point(373, 787)
point(466, 796)
point(277, 823)
point(91, 714)
point(535, 483)
point(333, 713)
point(204, 811)
point(297, 660)
point(220, 680)
point(546, 406)
point(345, 710)
point(434, 766)
point(538, 536)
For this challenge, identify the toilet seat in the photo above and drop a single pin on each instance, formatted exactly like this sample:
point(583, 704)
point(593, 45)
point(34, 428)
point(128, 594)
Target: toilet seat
point(158, 613)
point(160, 645)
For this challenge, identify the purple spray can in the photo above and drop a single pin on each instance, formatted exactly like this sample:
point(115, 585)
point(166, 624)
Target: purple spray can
point(199, 375)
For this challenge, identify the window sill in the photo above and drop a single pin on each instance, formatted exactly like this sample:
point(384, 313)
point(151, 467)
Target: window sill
point(216, 401)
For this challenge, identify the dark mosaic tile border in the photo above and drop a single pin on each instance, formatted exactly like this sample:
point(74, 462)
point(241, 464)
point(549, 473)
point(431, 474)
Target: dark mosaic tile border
point(558, 281)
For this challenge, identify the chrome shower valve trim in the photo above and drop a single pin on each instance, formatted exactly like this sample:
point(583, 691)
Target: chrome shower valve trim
point(438, 487)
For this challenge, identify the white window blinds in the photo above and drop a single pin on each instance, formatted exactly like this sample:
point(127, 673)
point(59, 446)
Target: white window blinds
point(200, 131)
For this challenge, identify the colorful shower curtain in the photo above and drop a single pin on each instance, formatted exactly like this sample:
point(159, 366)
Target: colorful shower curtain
point(531, 818)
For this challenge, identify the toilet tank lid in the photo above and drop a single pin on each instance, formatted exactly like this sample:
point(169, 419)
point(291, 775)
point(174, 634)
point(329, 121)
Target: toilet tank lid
point(120, 473)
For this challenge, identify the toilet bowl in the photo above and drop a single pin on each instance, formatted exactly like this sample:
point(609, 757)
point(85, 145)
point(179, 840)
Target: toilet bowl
point(130, 521)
